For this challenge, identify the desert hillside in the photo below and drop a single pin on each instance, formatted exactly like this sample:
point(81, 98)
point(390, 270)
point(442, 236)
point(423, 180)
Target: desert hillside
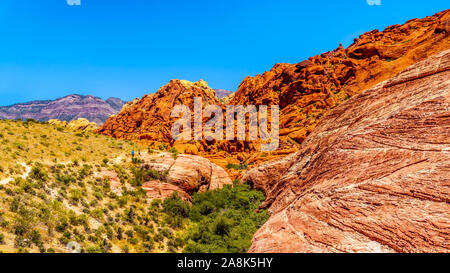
point(66, 190)
point(362, 163)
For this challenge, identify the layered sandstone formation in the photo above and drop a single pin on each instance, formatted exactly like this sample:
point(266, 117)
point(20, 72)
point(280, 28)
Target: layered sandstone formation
point(306, 92)
point(188, 172)
point(156, 189)
point(149, 119)
point(67, 108)
point(372, 177)
point(181, 174)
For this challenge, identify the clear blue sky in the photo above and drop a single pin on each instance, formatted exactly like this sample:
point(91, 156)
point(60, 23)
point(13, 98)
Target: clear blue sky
point(127, 48)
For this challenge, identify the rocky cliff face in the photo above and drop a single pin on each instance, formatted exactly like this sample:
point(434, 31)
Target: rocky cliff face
point(148, 119)
point(68, 108)
point(372, 177)
point(307, 91)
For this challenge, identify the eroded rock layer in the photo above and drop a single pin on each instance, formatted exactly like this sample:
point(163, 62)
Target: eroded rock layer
point(308, 90)
point(149, 119)
point(188, 172)
point(374, 176)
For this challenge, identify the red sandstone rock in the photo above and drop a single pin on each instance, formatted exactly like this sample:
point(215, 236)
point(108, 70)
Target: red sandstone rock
point(160, 190)
point(306, 92)
point(219, 177)
point(188, 172)
point(148, 119)
point(115, 184)
point(374, 176)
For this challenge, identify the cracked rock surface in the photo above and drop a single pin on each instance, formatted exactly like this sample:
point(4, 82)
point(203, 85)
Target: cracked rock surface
point(374, 176)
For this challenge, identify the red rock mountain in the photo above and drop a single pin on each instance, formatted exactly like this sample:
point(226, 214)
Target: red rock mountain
point(67, 108)
point(374, 176)
point(148, 119)
point(306, 92)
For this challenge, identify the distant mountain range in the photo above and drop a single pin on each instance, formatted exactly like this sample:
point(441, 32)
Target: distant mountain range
point(67, 108)
point(221, 93)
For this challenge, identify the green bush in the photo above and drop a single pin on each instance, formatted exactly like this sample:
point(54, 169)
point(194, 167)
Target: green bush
point(225, 220)
point(174, 206)
point(37, 173)
point(242, 166)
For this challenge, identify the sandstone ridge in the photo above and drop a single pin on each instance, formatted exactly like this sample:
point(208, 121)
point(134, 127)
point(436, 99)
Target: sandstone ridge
point(306, 91)
point(372, 177)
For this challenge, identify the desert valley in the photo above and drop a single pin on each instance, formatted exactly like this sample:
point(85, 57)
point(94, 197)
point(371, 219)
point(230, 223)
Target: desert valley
point(363, 163)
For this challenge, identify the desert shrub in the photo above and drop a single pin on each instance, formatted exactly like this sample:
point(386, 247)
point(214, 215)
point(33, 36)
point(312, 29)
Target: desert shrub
point(37, 173)
point(84, 171)
point(162, 147)
point(75, 195)
point(176, 242)
point(174, 152)
point(165, 232)
point(136, 160)
point(148, 246)
point(140, 175)
point(158, 237)
point(65, 179)
point(94, 249)
point(225, 220)
point(222, 226)
point(241, 166)
point(19, 146)
point(3, 222)
point(97, 213)
point(175, 207)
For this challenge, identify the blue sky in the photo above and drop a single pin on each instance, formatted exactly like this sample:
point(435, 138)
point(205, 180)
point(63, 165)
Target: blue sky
point(127, 48)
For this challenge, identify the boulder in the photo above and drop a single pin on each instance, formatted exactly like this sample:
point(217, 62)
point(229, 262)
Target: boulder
point(188, 172)
point(160, 190)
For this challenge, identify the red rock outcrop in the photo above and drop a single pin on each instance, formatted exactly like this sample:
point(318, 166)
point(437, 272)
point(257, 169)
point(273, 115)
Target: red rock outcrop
point(115, 184)
point(161, 190)
point(308, 90)
point(181, 174)
point(188, 172)
point(148, 120)
point(374, 176)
